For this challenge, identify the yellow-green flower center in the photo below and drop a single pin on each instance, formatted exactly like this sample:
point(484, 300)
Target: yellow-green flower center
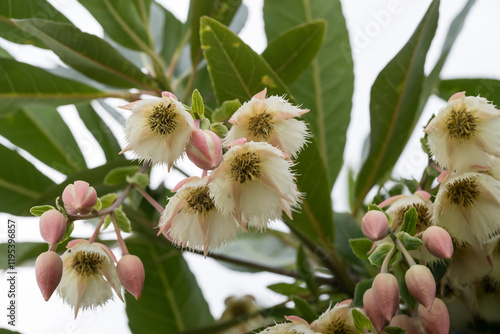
point(199, 200)
point(424, 216)
point(261, 125)
point(87, 264)
point(246, 167)
point(461, 124)
point(163, 120)
point(463, 192)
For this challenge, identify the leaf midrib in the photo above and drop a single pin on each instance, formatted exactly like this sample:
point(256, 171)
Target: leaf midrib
point(17, 188)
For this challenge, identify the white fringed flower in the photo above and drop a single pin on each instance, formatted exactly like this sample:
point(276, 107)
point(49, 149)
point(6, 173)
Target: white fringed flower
point(464, 132)
point(89, 274)
point(254, 183)
point(270, 120)
point(158, 129)
point(467, 206)
point(336, 320)
point(191, 219)
point(401, 203)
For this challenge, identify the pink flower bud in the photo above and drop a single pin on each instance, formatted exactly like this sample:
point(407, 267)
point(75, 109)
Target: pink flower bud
point(131, 274)
point(386, 293)
point(375, 225)
point(377, 318)
point(52, 226)
point(404, 322)
point(436, 320)
point(205, 149)
point(421, 284)
point(48, 272)
point(438, 241)
point(79, 198)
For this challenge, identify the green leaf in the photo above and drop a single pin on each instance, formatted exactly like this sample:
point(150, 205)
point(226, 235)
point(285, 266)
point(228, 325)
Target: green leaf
point(24, 10)
point(197, 106)
point(379, 254)
point(101, 132)
point(140, 179)
point(361, 247)
point(326, 88)
point(304, 309)
point(394, 102)
point(286, 289)
point(410, 243)
point(361, 321)
point(119, 174)
point(107, 200)
point(88, 54)
point(347, 229)
point(42, 132)
point(22, 84)
point(5, 54)
point(69, 229)
point(410, 221)
point(20, 183)
point(171, 300)
point(172, 33)
point(6, 331)
point(226, 110)
point(40, 209)
point(237, 72)
point(125, 24)
point(305, 271)
point(292, 52)
point(360, 290)
point(394, 330)
point(25, 252)
point(122, 221)
point(487, 88)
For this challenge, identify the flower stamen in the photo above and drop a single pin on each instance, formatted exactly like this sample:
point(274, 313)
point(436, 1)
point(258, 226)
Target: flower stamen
point(461, 124)
point(424, 216)
point(261, 125)
point(199, 200)
point(463, 192)
point(87, 264)
point(246, 167)
point(163, 120)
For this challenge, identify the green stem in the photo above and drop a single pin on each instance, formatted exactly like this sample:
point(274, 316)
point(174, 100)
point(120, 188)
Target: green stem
point(385, 264)
point(407, 255)
point(119, 237)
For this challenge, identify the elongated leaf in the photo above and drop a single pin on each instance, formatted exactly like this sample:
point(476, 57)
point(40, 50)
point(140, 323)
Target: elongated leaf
point(487, 88)
point(23, 10)
point(125, 23)
point(171, 300)
point(22, 84)
point(87, 53)
point(20, 183)
point(327, 86)
point(172, 33)
point(235, 69)
point(5, 54)
point(393, 104)
point(25, 252)
point(43, 133)
point(292, 52)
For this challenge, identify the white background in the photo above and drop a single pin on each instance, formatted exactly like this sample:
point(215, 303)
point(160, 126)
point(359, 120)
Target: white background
point(375, 41)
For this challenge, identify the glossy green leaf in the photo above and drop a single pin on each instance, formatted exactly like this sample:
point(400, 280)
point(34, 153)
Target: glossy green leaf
point(122, 221)
point(40, 209)
point(171, 300)
point(23, 10)
point(42, 132)
point(326, 88)
point(292, 52)
point(22, 84)
point(107, 200)
point(88, 54)
point(287, 289)
point(235, 69)
point(139, 179)
point(197, 106)
point(226, 110)
point(304, 309)
point(101, 132)
point(361, 247)
point(380, 253)
point(410, 221)
point(394, 330)
point(409, 242)
point(20, 183)
point(360, 290)
point(5, 54)
point(172, 33)
point(119, 175)
point(393, 104)
point(347, 229)
point(305, 271)
point(125, 24)
point(361, 322)
point(487, 88)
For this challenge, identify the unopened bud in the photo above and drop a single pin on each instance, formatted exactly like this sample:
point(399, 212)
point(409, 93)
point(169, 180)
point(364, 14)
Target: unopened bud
point(386, 293)
point(205, 149)
point(436, 320)
point(438, 241)
point(130, 271)
point(48, 272)
point(375, 225)
point(421, 284)
point(79, 198)
point(52, 226)
point(404, 322)
point(377, 318)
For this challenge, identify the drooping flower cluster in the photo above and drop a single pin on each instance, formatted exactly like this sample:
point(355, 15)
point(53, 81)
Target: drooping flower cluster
point(250, 185)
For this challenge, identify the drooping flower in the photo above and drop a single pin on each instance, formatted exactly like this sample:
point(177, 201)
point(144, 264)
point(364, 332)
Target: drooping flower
point(48, 272)
point(158, 129)
point(192, 220)
point(254, 183)
point(336, 320)
point(464, 132)
point(130, 271)
point(272, 120)
point(467, 206)
point(89, 275)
